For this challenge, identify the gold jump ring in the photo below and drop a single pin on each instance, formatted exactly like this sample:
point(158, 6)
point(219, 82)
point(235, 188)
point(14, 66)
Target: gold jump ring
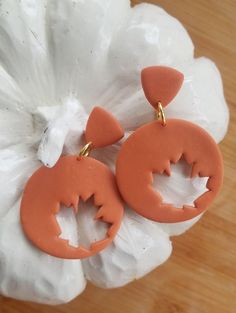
point(84, 152)
point(160, 113)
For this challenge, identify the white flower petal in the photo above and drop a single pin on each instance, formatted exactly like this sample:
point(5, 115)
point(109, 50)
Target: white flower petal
point(26, 273)
point(15, 127)
point(179, 189)
point(11, 97)
point(201, 98)
point(139, 246)
point(16, 124)
point(23, 52)
point(150, 36)
point(79, 34)
point(17, 164)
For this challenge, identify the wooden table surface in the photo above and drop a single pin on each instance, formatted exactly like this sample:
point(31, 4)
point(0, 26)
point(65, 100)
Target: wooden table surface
point(200, 276)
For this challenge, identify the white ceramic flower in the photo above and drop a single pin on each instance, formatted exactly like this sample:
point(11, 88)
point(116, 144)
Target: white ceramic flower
point(59, 58)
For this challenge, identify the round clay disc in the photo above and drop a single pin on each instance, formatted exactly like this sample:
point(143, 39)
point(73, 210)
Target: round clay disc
point(150, 150)
point(69, 180)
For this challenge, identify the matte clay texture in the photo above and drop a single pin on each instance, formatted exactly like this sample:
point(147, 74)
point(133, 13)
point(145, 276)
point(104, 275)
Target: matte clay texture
point(70, 179)
point(150, 150)
point(102, 128)
point(161, 84)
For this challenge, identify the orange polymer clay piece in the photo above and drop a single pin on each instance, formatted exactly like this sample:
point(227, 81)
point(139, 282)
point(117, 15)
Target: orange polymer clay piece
point(71, 179)
point(102, 128)
point(161, 83)
point(150, 150)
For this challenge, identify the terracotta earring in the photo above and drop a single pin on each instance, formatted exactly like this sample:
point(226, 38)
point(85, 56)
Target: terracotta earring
point(72, 178)
point(152, 147)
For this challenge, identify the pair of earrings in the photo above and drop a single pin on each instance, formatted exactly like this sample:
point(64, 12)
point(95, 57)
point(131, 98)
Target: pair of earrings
point(150, 149)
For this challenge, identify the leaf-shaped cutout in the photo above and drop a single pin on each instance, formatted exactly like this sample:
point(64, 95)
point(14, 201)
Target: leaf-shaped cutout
point(102, 128)
point(161, 83)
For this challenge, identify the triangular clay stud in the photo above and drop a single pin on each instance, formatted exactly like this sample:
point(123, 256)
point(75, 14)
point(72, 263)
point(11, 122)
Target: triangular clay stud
point(161, 84)
point(102, 128)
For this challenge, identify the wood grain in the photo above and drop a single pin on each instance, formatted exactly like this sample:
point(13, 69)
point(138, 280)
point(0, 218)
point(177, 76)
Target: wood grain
point(200, 276)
